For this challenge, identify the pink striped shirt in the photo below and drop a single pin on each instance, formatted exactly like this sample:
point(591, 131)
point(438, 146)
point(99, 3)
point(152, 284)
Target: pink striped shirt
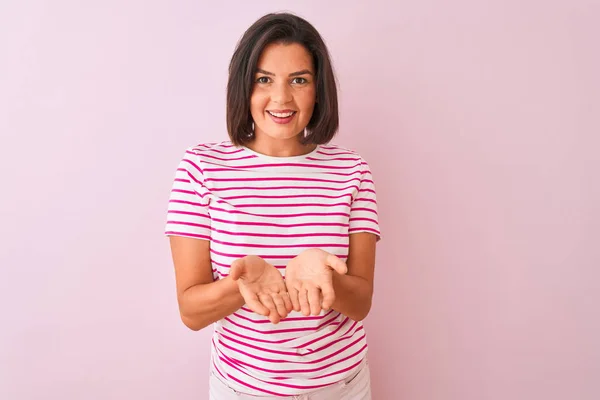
point(276, 207)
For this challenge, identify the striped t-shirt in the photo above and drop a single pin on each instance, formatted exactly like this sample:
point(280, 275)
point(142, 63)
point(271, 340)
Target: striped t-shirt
point(246, 203)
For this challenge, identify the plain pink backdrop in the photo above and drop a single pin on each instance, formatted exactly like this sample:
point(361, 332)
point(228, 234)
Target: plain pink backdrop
point(479, 120)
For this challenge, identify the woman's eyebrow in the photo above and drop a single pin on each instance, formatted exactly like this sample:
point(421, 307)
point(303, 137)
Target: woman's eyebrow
point(302, 72)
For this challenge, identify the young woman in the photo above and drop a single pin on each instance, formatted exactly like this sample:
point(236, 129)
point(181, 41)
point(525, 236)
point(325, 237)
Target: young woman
point(273, 233)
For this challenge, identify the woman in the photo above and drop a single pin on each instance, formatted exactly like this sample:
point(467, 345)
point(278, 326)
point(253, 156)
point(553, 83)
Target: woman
point(277, 201)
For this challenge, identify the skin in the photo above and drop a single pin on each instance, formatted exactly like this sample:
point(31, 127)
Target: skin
point(309, 280)
point(284, 80)
point(315, 280)
point(262, 287)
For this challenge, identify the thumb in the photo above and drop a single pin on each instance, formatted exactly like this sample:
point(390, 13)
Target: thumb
point(237, 269)
point(338, 265)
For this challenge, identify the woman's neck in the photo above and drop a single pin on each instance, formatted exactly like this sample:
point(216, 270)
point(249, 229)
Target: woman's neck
point(281, 148)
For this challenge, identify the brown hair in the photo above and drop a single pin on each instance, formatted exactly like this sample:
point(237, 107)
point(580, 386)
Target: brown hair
point(280, 28)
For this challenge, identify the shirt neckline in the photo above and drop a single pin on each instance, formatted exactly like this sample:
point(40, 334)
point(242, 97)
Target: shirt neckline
point(284, 159)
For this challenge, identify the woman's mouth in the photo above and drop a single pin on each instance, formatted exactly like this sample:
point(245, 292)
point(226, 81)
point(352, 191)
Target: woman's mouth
point(281, 117)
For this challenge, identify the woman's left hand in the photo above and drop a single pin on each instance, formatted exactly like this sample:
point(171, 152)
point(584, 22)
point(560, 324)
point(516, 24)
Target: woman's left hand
point(309, 278)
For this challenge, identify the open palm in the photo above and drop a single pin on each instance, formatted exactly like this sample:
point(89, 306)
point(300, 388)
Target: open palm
point(309, 280)
point(262, 287)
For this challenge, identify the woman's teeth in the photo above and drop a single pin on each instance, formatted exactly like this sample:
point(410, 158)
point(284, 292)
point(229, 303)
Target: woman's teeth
point(281, 115)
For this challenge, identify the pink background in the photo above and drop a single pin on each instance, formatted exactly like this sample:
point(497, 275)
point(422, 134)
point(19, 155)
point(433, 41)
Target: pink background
point(480, 122)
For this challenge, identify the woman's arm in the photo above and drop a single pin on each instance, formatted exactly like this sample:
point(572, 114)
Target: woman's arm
point(202, 301)
point(354, 291)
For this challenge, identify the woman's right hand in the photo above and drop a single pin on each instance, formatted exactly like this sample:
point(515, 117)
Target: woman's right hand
point(262, 287)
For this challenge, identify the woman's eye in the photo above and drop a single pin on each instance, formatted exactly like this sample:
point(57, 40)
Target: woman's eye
point(263, 79)
point(299, 81)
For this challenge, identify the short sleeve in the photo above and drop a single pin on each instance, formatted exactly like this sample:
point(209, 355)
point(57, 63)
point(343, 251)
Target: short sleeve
point(188, 213)
point(363, 212)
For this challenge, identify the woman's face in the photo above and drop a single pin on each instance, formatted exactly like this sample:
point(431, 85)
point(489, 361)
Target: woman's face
point(284, 92)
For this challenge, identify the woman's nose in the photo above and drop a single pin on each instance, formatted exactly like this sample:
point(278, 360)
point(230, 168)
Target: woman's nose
point(281, 93)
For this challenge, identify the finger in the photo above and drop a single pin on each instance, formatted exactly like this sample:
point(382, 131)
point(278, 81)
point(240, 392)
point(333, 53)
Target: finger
point(314, 299)
point(274, 317)
point(279, 304)
point(237, 269)
point(321, 299)
point(287, 302)
point(293, 294)
point(255, 304)
point(304, 305)
point(337, 264)
point(328, 297)
point(268, 302)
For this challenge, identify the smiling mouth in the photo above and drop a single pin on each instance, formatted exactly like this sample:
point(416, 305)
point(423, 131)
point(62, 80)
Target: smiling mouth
point(282, 115)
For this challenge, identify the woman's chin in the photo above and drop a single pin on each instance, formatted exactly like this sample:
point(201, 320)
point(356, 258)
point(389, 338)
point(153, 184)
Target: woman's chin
point(280, 134)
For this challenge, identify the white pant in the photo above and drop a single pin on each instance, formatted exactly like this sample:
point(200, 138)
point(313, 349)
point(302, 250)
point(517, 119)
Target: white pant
point(356, 387)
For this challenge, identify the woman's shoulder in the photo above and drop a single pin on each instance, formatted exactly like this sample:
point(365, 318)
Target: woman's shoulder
point(205, 155)
point(208, 148)
point(338, 152)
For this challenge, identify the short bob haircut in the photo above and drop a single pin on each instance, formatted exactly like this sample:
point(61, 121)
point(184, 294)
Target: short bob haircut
point(282, 28)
